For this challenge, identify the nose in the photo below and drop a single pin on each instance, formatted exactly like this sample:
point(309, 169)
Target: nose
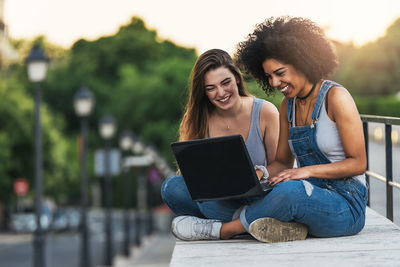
point(274, 81)
point(220, 90)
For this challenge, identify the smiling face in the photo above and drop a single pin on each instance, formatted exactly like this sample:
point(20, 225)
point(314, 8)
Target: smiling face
point(221, 88)
point(285, 78)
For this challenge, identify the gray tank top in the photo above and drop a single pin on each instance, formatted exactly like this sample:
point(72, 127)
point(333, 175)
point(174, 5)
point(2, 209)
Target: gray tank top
point(254, 142)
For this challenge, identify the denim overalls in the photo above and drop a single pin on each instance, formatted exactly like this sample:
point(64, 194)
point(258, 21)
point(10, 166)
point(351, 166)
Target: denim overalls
point(329, 207)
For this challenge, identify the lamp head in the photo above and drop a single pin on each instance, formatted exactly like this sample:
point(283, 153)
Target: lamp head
point(37, 64)
point(107, 127)
point(126, 140)
point(83, 102)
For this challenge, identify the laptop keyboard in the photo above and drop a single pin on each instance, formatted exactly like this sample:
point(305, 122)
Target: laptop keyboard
point(265, 186)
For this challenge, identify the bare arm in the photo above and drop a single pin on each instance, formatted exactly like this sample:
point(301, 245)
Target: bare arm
point(343, 111)
point(284, 158)
point(270, 121)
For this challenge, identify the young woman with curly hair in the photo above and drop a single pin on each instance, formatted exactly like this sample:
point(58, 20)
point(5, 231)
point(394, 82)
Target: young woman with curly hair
point(320, 127)
point(219, 105)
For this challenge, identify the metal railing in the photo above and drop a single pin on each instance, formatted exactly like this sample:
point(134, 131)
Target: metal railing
point(388, 122)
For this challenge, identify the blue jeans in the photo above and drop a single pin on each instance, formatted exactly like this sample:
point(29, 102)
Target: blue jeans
point(176, 195)
point(328, 208)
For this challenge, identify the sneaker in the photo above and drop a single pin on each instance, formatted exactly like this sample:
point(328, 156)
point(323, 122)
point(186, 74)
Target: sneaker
point(270, 230)
point(190, 228)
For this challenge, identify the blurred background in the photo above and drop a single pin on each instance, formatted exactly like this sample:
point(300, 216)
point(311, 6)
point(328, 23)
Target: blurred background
point(100, 171)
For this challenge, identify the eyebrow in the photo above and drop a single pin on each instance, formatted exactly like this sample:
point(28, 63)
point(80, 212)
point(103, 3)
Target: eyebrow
point(224, 80)
point(275, 71)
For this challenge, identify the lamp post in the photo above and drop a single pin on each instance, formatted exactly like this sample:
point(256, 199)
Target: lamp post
point(138, 149)
point(152, 152)
point(107, 131)
point(37, 64)
point(83, 104)
point(126, 142)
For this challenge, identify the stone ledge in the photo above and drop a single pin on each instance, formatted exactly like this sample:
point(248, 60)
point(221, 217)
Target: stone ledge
point(377, 244)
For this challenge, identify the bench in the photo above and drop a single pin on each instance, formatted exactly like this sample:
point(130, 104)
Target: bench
point(378, 244)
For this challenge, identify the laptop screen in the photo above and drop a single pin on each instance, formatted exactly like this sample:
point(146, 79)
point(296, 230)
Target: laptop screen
point(215, 168)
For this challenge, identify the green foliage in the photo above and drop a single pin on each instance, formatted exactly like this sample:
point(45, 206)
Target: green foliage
point(17, 139)
point(256, 91)
point(382, 106)
point(134, 76)
point(373, 69)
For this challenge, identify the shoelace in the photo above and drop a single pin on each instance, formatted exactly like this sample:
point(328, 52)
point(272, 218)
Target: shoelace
point(204, 228)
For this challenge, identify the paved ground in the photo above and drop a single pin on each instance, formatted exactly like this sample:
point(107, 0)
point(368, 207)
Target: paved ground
point(156, 251)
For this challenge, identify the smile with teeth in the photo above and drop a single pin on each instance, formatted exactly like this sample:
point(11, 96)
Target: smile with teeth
point(223, 100)
point(282, 90)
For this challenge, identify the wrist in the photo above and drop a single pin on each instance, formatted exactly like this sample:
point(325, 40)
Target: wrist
point(263, 170)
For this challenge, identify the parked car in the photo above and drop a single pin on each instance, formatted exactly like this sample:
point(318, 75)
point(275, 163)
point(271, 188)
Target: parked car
point(60, 221)
point(74, 218)
point(25, 221)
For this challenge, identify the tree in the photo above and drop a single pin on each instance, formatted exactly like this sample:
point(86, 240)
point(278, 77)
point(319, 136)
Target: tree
point(16, 142)
point(373, 69)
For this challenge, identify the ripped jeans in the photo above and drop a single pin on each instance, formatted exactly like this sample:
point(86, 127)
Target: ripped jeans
point(329, 207)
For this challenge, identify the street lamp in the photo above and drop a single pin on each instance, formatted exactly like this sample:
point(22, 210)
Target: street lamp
point(37, 64)
point(107, 131)
point(138, 149)
point(152, 152)
point(126, 143)
point(138, 146)
point(83, 104)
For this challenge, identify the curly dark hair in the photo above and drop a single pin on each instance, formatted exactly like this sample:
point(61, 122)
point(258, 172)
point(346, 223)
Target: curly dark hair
point(291, 40)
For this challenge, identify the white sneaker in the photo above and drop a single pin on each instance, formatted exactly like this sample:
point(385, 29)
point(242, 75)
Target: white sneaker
point(190, 228)
point(270, 230)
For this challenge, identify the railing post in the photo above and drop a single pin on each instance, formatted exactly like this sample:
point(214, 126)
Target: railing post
point(365, 128)
point(389, 171)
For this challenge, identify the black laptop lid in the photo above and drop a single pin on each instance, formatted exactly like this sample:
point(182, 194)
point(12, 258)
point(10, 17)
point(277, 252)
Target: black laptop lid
point(217, 168)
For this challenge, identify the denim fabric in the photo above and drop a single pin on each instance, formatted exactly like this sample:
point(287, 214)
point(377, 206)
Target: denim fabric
point(329, 207)
point(176, 195)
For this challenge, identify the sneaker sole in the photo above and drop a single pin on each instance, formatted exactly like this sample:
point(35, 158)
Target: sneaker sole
point(270, 230)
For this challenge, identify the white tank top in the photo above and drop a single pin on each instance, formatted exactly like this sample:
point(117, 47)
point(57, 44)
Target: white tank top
point(329, 142)
point(328, 139)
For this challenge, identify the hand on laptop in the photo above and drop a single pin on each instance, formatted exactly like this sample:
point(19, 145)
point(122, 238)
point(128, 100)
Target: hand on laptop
point(290, 174)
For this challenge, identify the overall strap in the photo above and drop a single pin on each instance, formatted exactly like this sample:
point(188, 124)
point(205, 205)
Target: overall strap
point(326, 85)
point(289, 109)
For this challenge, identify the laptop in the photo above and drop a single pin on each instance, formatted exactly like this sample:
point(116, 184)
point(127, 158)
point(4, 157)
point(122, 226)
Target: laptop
point(218, 168)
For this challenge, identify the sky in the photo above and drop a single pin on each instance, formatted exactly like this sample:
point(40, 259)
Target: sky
point(202, 24)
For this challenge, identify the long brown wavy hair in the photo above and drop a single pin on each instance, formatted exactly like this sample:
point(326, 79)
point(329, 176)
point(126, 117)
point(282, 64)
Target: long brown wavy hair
point(194, 124)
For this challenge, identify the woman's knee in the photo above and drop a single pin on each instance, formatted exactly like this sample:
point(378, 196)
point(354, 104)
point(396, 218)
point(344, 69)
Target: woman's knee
point(291, 191)
point(172, 187)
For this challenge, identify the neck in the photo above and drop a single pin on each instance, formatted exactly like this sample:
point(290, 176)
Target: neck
point(234, 111)
point(309, 93)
